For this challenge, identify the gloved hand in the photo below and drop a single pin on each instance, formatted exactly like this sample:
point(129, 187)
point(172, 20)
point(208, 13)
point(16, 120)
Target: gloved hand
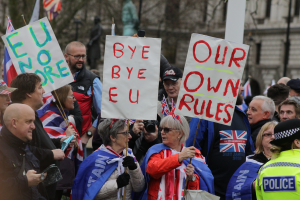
point(129, 162)
point(123, 180)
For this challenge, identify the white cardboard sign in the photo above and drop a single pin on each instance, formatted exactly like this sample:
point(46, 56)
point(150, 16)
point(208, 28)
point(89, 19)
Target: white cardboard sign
point(130, 77)
point(211, 79)
point(35, 49)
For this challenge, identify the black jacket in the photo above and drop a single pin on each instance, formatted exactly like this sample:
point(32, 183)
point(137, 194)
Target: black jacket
point(13, 181)
point(41, 139)
point(255, 128)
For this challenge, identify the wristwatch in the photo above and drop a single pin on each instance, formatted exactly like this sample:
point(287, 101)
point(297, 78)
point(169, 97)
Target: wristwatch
point(89, 134)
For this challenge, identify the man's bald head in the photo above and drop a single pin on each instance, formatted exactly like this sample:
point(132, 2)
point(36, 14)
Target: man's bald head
point(19, 120)
point(73, 44)
point(283, 80)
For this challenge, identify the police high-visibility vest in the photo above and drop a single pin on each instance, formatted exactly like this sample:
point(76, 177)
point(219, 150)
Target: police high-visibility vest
point(280, 178)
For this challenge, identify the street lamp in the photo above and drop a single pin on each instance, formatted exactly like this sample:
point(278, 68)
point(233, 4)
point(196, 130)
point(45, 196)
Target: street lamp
point(77, 21)
point(287, 44)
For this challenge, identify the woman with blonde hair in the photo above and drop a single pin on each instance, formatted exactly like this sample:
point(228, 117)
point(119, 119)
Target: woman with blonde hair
point(249, 169)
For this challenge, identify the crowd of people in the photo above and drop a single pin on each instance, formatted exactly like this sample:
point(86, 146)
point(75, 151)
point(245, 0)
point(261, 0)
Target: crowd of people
point(256, 157)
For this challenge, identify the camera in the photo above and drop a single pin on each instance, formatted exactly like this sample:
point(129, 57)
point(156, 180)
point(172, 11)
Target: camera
point(149, 125)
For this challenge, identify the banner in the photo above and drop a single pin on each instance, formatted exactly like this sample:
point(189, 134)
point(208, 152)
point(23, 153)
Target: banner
point(130, 77)
point(211, 79)
point(34, 49)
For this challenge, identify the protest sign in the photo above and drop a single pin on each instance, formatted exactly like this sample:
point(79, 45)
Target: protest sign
point(211, 79)
point(130, 77)
point(34, 49)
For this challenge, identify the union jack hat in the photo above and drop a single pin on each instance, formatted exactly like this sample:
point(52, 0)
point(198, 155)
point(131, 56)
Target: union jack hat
point(4, 89)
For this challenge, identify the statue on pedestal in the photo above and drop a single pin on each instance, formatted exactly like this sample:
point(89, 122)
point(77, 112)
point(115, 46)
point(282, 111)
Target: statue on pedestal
point(129, 18)
point(93, 46)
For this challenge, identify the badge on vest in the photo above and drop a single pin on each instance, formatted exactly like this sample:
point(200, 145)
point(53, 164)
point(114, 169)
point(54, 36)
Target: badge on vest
point(279, 183)
point(80, 87)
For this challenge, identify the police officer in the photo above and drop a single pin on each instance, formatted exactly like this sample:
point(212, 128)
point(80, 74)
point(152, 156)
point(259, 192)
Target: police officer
point(280, 178)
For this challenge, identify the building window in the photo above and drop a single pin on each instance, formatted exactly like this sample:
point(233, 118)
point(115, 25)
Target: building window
point(172, 12)
point(297, 7)
point(268, 8)
point(224, 11)
point(204, 17)
point(258, 52)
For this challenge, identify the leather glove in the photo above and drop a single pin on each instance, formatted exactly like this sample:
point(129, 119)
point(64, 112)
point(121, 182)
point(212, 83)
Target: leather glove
point(129, 162)
point(123, 180)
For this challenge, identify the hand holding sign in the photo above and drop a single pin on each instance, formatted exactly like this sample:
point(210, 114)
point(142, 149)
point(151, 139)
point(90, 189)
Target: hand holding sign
point(211, 79)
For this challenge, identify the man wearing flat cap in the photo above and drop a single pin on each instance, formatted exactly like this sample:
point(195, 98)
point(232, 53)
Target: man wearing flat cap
point(294, 85)
point(279, 178)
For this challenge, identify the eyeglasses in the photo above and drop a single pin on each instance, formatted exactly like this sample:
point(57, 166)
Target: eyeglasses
point(123, 133)
point(77, 57)
point(268, 135)
point(70, 97)
point(166, 130)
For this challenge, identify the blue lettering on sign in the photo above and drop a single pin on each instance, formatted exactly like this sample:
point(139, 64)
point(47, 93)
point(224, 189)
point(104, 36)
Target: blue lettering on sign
point(279, 183)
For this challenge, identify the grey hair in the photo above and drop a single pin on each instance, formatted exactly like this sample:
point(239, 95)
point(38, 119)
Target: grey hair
point(176, 124)
point(105, 132)
point(296, 99)
point(268, 105)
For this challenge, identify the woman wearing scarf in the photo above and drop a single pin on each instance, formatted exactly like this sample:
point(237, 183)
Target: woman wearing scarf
point(56, 127)
point(279, 178)
point(241, 185)
point(102, 174)
point(166, 166)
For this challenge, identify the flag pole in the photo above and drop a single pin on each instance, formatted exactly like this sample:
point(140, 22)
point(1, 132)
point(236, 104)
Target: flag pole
point(127, 134)
point(186, 182)
point(24, 20)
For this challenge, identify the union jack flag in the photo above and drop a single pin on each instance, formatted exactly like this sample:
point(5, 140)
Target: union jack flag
point(9, 70)
point(52, 8)
point(173, 112)
point(233, 141)
point(55, 126)
point(165, 108)
point(131, 121)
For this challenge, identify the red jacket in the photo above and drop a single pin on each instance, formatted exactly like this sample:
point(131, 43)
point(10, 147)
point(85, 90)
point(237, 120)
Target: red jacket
point(158, 166)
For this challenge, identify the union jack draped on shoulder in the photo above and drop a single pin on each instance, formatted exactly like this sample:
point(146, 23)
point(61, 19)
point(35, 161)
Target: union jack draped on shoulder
point(55, 126)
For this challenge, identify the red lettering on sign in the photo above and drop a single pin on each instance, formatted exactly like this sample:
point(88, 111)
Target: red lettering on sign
point(183, 102)
point(227, 113)
point(235, 60)
point(112, 95)
point(129, 71)
point(216, 89)
point(187, 77)
point(133, 50)
point(141, 72)
point(218, 54)
point(202, 107)
point(119, 50)
point(137, 96)
point(114, 74)
point(208, 114)
point(233, 88)
point(145, 52)
point(194, 51)
point(219, 111)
